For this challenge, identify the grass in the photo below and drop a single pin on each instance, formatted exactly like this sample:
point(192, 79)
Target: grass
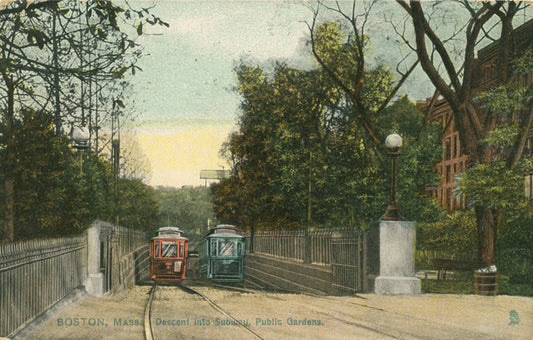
point(463, 283)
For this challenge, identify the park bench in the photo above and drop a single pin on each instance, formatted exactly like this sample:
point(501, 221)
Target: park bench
point(443, 265)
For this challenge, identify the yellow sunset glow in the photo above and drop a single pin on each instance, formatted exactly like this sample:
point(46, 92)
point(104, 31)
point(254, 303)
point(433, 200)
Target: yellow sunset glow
point(178, 154)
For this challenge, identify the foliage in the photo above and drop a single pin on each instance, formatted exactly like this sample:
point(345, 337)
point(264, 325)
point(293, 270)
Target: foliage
point(421, 149)
point(136, 204)
point(502, 138)
point(515, 258)
point(492, 184)
point(482, 118)
point(524, 63)
point(456, 235)
point(60, 192)
point(59, 61)
point(189, 208)
point(301, 156)
point(504, 100)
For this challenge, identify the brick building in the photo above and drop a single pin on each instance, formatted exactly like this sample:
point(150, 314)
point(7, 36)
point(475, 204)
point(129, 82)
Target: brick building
point(454, 161)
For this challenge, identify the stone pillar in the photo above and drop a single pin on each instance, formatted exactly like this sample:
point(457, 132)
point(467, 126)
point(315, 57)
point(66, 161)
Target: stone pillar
point(396, 259)
point(95, 279)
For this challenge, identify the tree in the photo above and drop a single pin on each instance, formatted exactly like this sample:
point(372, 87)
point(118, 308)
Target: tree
point(189, 208)
point(301, 158)
point(342, 54)
point(46, 47)
point(137, 206)
point(458, 87)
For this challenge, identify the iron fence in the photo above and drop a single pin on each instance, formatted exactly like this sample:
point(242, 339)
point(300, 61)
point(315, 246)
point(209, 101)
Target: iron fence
point(344, 251)
point(36, 274)
point(301, 245)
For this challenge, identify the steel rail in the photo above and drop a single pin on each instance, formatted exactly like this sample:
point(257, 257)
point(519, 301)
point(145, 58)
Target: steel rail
point(148, 333)
point(219, 309)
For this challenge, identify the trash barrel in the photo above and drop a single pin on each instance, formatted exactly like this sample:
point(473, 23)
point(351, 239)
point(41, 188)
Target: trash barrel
point(486, 284)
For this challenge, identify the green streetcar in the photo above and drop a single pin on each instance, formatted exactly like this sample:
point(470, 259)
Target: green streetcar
point(221, 254)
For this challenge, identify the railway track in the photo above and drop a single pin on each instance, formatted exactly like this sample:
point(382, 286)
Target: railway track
point(213, 301)
point(148, 330)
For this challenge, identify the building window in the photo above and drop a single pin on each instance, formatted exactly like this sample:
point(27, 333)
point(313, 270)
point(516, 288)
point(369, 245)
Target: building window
point(447, 149)
point(449, 198)
point(455, 146)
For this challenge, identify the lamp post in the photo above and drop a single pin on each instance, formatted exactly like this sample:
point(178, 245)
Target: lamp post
point(396, 241)
point(393, 142)
point(80, 137)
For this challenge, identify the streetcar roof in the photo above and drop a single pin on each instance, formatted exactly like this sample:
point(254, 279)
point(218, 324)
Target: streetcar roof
point(224, 230)
point(170, 232)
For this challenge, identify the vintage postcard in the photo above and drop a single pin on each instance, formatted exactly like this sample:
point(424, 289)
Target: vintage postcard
point(220, 169)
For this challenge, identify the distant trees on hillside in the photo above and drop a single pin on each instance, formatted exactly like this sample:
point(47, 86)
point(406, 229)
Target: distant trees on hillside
point(189, 208)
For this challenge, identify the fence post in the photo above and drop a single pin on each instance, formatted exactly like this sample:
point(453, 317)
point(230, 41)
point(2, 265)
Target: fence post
point(95, 278)
point(307, 247)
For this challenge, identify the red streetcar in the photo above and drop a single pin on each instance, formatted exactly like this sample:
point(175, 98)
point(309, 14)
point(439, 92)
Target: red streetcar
point(168, 255)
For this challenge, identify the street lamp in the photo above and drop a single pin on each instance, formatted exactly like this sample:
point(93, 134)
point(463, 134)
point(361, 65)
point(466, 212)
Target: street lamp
point(393, 142)
point(80, 136)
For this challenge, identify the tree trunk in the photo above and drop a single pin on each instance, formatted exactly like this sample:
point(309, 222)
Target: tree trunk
point(488, 221)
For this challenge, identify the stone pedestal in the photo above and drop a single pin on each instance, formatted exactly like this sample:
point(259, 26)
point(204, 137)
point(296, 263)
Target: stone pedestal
point(94, 283)
point(396, 259)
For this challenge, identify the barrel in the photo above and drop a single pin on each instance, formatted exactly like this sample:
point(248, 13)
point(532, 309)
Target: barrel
point(486, 284)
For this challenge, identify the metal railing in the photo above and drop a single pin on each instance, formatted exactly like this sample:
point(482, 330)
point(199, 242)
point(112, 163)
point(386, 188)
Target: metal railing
point(344, 251)
point(36, 274)
point(291, 244)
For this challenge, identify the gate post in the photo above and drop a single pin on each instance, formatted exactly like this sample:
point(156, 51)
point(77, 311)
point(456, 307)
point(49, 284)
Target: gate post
point(95, 279)
point(396, 259)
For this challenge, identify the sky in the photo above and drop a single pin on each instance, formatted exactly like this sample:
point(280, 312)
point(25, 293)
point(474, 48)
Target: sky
point(185, 93)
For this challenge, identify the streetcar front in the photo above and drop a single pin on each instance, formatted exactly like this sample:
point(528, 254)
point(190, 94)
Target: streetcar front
point(168, 256)
point(224, 249)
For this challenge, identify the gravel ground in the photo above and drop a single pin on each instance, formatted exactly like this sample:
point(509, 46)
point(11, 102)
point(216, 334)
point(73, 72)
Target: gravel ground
point(180, 315)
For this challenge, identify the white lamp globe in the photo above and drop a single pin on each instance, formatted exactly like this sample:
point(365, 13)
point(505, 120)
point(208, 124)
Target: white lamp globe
point(80, 135)
point(393, 141)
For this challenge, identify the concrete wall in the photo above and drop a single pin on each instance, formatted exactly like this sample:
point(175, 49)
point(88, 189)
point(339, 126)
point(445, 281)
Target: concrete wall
point(125, 255)
point(134, 268)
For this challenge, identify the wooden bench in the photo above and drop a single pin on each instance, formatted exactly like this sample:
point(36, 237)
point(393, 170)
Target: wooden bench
point(458, 264)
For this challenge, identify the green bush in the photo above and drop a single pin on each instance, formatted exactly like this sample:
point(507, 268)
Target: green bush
point(454, 237)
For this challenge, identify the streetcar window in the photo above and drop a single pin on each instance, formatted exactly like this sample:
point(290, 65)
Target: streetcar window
point(156, 249)
point(181, 249)
point(169, 249)
point(228, 248)
point(214, 247)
